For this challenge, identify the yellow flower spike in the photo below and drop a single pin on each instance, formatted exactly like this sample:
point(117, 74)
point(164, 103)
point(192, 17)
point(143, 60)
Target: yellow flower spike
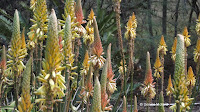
point(88, 38)
point(186, 37)
point(190, 78)
point(85, 64)
point(121, 71)
point(170, 86)
point(90, 17)
point(86, 60)
point(131, 27)
point(162, 46)
point(134, 20)
point(53, 87)
point(174, 49)
point(39, 20)
point(15, 52)
point(197, 51)
point(157, 66)
point(32, 4)
point(69, 10)
point(198, 26)
point(25, 104)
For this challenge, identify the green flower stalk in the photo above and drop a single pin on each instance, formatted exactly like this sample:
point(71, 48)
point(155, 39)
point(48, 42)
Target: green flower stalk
point(25, 104)
point(158, 68)
point(69, 61)
point(120, 41)
point(124, 104)
point(36, 36)
point(96, 101)
point(130, 35)
point(51, 78)
point(87, 90)
point(16, 54)
point(161, 103)
point(180, 90)
point(68, 54)
point(111, 82)
point(135, 104)
point(105, 81)
point(162, 51)
point(84, 73)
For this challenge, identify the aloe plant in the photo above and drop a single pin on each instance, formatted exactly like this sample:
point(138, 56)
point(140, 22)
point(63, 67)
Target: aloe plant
point(25, 104)
point(148, 90)
point(16, 55)
point(187, 44)
point(51, 78)
point(130, 35)
point(162, 51)
point(180, 90)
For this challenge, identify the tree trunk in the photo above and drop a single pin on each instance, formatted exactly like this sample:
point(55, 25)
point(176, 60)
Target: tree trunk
point(176, 18)
point(164, 19)
point(191, 13)
point(149, 17)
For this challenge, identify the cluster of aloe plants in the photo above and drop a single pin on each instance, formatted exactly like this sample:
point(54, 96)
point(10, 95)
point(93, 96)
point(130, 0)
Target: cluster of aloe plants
point(51, 80)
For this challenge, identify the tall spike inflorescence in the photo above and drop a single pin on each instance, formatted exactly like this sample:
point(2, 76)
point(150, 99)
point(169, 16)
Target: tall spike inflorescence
point(25, 104)
point(16, 54)
point(51, 78)
point(180, 90)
